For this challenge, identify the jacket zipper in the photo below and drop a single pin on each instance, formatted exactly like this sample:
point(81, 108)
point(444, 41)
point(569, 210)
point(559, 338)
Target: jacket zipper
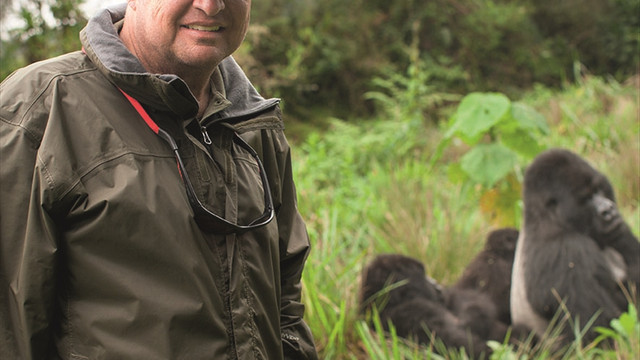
point(232, 336)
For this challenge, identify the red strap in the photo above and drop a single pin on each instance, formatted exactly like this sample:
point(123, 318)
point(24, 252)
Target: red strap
point(136, 105)
point(143, 113)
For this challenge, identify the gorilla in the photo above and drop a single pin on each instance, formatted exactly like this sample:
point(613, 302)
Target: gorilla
point(418, 307)
point(574, 247)
point(490, 271)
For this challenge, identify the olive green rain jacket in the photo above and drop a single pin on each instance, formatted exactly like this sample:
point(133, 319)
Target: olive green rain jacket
point(100, 257)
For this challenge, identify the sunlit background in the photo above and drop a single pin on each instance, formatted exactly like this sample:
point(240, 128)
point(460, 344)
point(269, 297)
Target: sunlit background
point(10, 19)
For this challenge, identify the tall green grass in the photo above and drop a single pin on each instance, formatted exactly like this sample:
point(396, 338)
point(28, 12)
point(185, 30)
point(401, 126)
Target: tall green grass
point(367, 188)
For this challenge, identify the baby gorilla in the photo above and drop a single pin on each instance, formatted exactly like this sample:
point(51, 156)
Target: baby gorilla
point(418, 307)
point(574, 247)
point(490, 271)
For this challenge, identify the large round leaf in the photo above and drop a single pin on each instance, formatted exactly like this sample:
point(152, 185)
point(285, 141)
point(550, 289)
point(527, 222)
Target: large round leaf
point(476, 114)
point(488, 163)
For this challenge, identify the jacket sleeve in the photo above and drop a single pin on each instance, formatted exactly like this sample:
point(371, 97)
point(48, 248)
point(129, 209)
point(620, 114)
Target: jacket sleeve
point(27, 247)
point(297, 340)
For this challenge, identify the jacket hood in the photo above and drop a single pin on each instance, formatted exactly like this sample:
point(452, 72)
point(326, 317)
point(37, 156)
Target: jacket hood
point(106, 50)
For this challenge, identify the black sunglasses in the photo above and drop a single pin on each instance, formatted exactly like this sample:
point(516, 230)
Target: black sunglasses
point(206, 219)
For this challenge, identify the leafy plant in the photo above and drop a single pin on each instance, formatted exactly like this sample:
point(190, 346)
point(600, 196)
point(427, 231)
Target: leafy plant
point(502, 137)
point(624, 332)
point(406, 98)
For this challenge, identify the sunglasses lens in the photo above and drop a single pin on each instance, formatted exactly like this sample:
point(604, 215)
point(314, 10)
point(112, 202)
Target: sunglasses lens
point(212, 223)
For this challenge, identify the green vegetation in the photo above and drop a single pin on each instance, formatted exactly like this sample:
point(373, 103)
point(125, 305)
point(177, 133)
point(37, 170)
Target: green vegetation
point(324, 54)
point(313, 52)
point(380, 186)
point(48, 28)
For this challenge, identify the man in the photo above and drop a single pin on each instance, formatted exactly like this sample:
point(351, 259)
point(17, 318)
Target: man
point(147, 204)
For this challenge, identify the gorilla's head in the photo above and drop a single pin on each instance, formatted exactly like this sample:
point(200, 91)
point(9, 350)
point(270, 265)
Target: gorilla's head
point(563, 192)
point(393, 278)
point(502, 242)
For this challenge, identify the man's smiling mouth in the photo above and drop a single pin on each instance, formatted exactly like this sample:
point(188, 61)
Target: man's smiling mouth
point(204, 28)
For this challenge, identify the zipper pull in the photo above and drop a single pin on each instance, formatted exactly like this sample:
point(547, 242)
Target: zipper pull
point(205, 136)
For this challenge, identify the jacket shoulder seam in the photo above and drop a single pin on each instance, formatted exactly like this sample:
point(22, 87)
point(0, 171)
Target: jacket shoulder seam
point(29, 134)
point(89, 169)
point(46, 86)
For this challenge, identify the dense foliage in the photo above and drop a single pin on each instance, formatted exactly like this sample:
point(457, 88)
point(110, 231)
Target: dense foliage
point(48, 28)
point(327, 53)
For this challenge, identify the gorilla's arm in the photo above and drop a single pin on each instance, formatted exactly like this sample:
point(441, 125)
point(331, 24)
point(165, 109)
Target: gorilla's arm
point(611, 231)
point(628, 246)
point(421, 319)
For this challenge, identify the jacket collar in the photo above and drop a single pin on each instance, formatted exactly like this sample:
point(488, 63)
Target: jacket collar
point(165, 92)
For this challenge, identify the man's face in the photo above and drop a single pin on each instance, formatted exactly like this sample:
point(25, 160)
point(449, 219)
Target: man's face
point(171, 36)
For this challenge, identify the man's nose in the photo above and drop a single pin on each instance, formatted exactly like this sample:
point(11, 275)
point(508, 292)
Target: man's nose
point(209, 7)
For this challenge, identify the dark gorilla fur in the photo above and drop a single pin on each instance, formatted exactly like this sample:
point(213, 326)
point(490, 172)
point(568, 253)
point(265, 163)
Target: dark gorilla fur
point(398, 288)
point(490, 271)
point(573, 245)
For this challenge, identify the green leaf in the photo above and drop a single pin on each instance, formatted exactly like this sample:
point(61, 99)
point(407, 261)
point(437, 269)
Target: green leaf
point(456, 174)
point(609, 333)
point(627, 323)
point(477, 114)
point(488, 163)
point(528, 118)
point(522, 142)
